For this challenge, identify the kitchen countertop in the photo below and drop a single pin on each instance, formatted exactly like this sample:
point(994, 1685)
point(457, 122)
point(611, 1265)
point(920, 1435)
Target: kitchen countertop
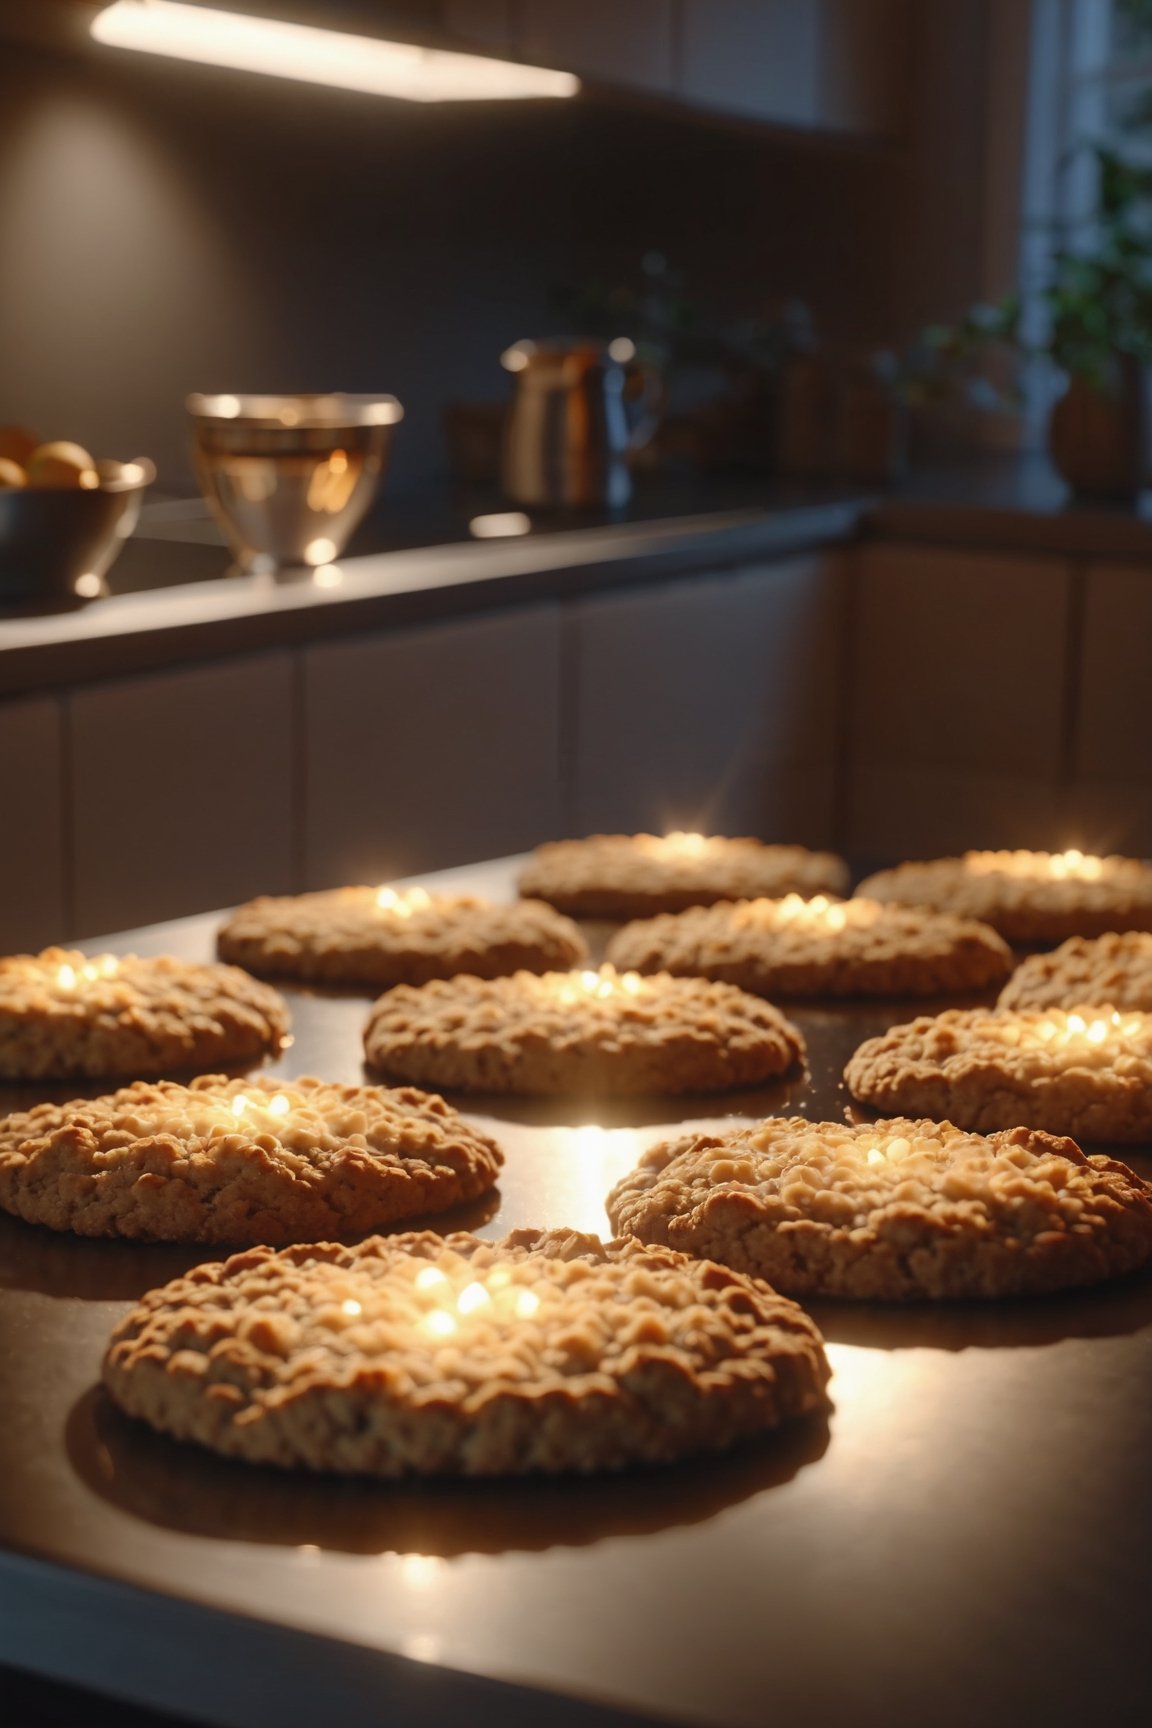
point(224, 614)
point(414, 560)
point(964, 1538)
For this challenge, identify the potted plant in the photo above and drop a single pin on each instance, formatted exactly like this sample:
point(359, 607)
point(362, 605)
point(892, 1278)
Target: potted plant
point(1097, 306)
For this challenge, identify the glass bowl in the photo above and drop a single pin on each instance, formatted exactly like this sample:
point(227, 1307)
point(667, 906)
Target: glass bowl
point(289, 477)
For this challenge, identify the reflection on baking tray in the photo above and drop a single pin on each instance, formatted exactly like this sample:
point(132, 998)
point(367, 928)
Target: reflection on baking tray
point(646, 1110)
point(57, 1263)
point(176, 1485)
point(1116, 1309)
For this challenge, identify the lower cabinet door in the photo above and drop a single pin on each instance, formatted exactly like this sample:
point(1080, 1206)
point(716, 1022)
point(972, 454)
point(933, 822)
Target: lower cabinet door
point(182, 791)
point(712, 704)
point(33, 913)
point(432, 746)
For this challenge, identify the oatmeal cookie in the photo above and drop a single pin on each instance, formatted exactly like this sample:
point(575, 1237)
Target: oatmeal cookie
point(795, 947)
point(1087, 1074)
point(240, 1161)
point(1027, 896)
point(445, 1355)
point(384, 936)
point(602, 1031)
point(1116, 969)
point(894, 1211)
point(65, 1015)
point(630, 875)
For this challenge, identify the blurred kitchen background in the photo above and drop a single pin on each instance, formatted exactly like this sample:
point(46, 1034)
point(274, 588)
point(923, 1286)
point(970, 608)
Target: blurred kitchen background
point(883, 582)
point(168, 227)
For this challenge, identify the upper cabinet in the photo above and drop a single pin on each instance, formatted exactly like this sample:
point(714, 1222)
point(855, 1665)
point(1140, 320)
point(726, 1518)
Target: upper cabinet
point(832, 65)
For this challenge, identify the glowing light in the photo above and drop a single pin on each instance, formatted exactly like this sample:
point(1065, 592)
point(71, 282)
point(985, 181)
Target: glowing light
point(351, 1307)
point(321, 551)
point(239, 1104)
point(333, 57)
point(403, 902)
point(65, 978)
point(226, 407)
point(472, 1296)
point(527, 1303)
point(439, 1323)
point(429, 1276)
point(502, 524)
point(279, 1106)
point(515, 359)
point(1076, 1023)
point(88, 586)
point(622, 349)
point(327, 576)
point(692, 845)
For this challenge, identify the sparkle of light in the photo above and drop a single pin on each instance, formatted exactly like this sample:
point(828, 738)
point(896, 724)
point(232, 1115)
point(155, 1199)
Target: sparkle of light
point(472, 1296)
point(500, 525)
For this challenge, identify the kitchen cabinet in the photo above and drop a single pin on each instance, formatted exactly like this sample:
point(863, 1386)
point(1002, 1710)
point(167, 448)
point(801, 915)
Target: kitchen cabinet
point(33, 913)
point(1112, 756)
point(832, 64)
point(433, 746)
point(480, 24)
point(957, 701)
point(183, 787)
point(711, 704)
point(753, 57)
point(601, 39)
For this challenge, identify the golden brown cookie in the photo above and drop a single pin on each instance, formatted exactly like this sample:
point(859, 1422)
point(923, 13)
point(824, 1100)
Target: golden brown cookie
point(1027, 896)
point(795, 947)
point(894, 1211)
point(64, 1014)
point(258, 1160)
point(432, 1355)
point(602, 1032)
point(1114, 969)
point(385, 936)
point(1088, 1074)
point(630, 875)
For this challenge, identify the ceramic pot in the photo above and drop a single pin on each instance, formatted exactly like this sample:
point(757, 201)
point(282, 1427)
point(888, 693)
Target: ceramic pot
point(1099, 438)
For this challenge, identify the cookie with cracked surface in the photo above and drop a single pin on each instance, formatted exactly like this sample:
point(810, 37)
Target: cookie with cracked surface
point(1114, 969)
point(818, 947)
point(384, 936)
point(1088, 1074)
point(893, 1211)
point(446, 1355)
point(67, 1015)
point(241, 1161)
point(602, 1031)
point(631, 875)
point(1027, 896)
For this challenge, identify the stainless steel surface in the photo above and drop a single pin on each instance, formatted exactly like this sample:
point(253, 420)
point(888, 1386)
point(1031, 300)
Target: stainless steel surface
point(56, 542)
point(288, 478)
point(567, 433)
point(966, 1538)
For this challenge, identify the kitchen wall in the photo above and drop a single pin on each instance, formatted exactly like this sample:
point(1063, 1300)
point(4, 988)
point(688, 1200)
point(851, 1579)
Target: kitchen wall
point(166, 228)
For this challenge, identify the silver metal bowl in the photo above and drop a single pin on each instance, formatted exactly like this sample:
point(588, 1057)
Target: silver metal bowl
point(57, 542)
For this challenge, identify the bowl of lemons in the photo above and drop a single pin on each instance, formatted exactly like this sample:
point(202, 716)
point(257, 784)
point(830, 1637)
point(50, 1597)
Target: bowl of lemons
point(64, 515)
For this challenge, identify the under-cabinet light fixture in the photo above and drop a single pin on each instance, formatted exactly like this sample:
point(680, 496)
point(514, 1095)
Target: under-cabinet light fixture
point(284, 50)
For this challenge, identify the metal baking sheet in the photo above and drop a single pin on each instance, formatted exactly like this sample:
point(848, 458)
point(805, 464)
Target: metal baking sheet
point(967, 1536)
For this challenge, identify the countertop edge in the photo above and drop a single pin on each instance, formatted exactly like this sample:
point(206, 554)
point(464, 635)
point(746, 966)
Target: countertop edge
point(136, 633)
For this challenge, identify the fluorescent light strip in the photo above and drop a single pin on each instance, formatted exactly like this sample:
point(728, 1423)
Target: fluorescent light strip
point(320, 56)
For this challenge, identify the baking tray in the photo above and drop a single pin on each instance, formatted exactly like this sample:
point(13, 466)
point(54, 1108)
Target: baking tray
point(967, 1536)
